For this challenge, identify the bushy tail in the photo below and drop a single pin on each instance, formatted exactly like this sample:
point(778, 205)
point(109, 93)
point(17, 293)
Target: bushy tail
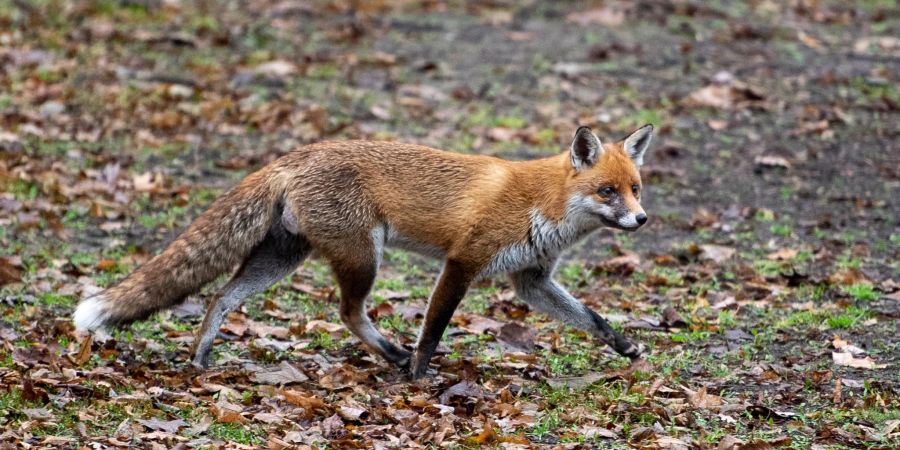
point(218, 240)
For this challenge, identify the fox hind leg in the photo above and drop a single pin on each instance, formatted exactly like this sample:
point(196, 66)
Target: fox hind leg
point(276, 257)
point(355, 269)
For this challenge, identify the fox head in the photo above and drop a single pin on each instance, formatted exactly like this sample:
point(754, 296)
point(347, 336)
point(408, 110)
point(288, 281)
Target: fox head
point(605, 181)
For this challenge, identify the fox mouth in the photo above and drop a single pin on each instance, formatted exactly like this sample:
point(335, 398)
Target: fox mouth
point(614, 224)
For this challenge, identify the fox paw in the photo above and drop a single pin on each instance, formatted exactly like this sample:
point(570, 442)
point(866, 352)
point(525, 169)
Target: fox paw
point(631, 350)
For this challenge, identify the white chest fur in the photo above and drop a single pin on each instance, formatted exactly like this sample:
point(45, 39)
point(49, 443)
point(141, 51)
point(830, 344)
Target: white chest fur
point(547, 239)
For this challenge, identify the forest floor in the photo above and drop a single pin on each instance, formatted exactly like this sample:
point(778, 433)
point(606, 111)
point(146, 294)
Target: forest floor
point(766, 285)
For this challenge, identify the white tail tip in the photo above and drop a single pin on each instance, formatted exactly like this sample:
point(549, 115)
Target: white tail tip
point(90, 313)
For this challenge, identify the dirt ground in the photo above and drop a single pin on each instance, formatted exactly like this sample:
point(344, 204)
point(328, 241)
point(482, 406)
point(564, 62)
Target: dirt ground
point(766, 285)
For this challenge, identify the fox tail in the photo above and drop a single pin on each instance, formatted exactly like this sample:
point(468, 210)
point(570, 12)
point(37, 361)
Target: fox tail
point(217, 241)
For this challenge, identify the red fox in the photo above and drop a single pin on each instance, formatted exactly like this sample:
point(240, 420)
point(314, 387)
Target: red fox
point(347, 201)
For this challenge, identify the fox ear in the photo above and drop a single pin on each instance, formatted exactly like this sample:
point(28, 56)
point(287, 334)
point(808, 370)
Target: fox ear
point(586, 148)
point(636, 144)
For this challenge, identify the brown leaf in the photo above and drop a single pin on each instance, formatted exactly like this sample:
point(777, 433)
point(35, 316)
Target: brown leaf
point(487, 435)
point(84, 350)
point(501, 134)
point(672, 319)
point(671, 443)
point(383, 309)
point(756, 445)
point(477, 324)
point(323, 326)
point(784, 254)
point(352, 413)
point(518, 335)
point(263, 329)
point(106, 264)
point(268, 418)
point(276, 68)
point(729, 442)
point(310, 403)
point(464, 388)
point(37, 413)
point(169, 426)
point(848, 276)
point(147, 182)
point(236, 324)
point(836, 396)
point(621, 265)
point(9, 273)
point(576, 383)
point(609, 16)
point(225, 412)
point(285, 374)
point(716, 253)
point(847, 359)
point(333, 427)
point(702, 399)
point(703, 218)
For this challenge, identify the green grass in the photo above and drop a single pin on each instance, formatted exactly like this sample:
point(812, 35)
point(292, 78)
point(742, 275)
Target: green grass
point(861, 291)
point(781, 229)
point(235, 432)
point(847, 319)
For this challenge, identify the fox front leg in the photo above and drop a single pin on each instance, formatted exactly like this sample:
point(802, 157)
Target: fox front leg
point(449, 291)
point(537, 288)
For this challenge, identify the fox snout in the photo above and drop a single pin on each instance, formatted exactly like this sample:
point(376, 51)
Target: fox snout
point(632, 221)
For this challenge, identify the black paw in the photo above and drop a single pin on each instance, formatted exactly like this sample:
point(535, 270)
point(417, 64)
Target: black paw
point(630, 350)
point(398, 356)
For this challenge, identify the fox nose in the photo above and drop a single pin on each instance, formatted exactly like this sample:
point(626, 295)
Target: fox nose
point(641, 218)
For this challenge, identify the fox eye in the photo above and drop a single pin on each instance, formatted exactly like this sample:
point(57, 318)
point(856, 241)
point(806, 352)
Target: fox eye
point(635, 189)
point(607, 191)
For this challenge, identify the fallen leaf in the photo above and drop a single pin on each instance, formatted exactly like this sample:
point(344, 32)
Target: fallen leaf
point(147, 181)
point(268, 418)
point(308, 402)
point(766, 161)
point(323, 326)
point(169, 426)
point(37, 413)
point(840, 344)
point(333, 427)
point(352, 413)
point(671, 319)
point(276, 68)
point(518, 336)
point(716, 253)
point(729, 442)
point(576, 383)
point(487, 435)
point(716, 124)
point(84, 350)
point(9, 273)
point(702, 399)
point(598, 432)
point(285, 374)
point(464, 388)
point(621, 265)
point(784, 254)
point(609, 16)
point(673, 443)
point(847, 359)
point(477, 324)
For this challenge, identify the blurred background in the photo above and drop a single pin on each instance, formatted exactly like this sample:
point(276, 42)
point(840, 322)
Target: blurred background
point(773, 176)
